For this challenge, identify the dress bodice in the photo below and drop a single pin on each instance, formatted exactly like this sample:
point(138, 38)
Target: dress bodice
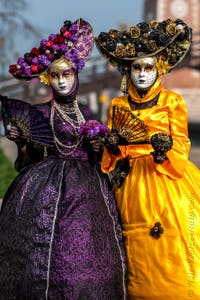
point(67, 143)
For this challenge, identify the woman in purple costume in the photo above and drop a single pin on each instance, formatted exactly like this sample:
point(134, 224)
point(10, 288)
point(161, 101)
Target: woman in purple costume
point(60, 236)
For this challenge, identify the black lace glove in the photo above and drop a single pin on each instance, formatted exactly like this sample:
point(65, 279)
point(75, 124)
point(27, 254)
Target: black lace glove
point(161, 143)
point(112, 140)
point(120, 172)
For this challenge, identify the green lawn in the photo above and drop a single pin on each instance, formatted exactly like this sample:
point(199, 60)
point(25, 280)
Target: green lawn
point(7, 173)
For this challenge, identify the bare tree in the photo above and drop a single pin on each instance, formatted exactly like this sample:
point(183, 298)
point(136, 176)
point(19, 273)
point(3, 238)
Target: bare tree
point(12, 26)
point(11, 20)
point(14, 5)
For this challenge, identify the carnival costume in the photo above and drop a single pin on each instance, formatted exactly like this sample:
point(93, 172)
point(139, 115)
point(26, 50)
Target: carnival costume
point(159, 199)
point(59, 232)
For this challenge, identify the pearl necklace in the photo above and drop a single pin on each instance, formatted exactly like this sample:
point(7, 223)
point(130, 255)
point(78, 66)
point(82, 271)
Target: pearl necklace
point(63, 112)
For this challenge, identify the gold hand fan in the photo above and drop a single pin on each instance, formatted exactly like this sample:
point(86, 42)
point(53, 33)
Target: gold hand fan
point(130, 128)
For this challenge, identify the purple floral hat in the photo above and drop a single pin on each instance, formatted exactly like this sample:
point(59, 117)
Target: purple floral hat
point(74, 42)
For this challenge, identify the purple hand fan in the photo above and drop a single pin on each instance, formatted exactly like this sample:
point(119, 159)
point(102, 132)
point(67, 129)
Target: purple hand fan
point(31, 122)
point(131, 128)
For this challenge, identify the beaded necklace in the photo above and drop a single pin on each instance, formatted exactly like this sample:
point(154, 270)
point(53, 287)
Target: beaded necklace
point(63, 111)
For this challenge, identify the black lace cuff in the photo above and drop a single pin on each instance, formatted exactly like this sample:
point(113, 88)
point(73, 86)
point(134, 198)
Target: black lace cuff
point(111, 142)
point(118, 175)
point(161, 143)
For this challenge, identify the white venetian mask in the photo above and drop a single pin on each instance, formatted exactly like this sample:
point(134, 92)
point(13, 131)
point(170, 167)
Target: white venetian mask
point(144, 72)
point(62, 78)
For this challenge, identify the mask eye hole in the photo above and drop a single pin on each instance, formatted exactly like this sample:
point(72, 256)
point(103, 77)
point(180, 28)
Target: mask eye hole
point(66, 72)
point(148, 68)
point(136, 67)
point(54, 74)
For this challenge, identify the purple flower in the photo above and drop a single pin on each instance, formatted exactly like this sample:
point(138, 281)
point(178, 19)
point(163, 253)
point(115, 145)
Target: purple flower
point(55, 47)
point(74, 27)
point(93, 128)
point(43, 42)
point(73, 38)
point(52, 37)
point(43, 59)
point(63, 47)
point(20, 60)
point(27, 71)
point(35, 61)
point(24, 66)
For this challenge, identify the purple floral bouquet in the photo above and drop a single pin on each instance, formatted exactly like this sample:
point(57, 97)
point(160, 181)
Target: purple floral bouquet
point(93, 129)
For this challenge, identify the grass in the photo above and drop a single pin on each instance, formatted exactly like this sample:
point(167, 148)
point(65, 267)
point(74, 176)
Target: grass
point(7, 173)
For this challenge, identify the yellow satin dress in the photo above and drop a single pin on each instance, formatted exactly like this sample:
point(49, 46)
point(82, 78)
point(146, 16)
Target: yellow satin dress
point(166, 268)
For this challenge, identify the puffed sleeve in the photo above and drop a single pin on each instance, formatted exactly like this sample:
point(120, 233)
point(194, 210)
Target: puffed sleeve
point(174, 167)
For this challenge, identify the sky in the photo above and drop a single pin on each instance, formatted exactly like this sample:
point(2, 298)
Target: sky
point(48, 15)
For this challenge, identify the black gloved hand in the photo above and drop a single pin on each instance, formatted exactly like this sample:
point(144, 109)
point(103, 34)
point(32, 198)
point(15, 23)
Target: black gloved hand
point(111, 142)
point(118, 175)
point(161, 143)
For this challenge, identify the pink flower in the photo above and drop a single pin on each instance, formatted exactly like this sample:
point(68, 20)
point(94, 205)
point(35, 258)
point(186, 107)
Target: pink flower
point(49, 44)
point(34, 69)
point(67, 34)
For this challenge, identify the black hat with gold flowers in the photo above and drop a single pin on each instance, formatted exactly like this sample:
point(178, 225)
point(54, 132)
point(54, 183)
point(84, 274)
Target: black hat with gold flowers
point(169, 40)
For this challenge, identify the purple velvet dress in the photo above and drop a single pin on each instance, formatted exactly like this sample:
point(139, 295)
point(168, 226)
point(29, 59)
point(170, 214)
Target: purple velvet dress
point(60, 237)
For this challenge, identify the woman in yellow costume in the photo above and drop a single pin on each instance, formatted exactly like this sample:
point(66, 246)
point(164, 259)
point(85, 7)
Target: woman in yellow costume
point(158, 191)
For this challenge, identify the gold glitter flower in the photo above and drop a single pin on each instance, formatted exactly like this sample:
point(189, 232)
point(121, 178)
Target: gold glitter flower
point(134, 32)
point(120, 51)
point(113, 33)
point(171, 29)
point(130, 50)
point(153, 24)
